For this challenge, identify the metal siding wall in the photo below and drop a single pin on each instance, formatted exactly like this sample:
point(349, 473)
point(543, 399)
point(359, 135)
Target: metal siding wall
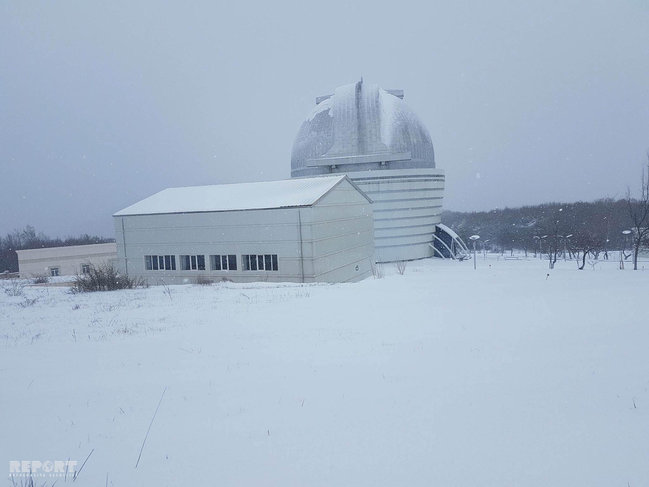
point(120, 263)
point(407, 206)
point(342, 232)
point(272, 231)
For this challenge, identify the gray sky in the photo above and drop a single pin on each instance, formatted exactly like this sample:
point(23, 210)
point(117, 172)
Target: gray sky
point(103, 104)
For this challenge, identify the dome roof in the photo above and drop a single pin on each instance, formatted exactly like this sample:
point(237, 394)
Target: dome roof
point(360, 127)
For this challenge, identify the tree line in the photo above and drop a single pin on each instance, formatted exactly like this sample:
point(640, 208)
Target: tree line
point(28, 238)
point(577, 229)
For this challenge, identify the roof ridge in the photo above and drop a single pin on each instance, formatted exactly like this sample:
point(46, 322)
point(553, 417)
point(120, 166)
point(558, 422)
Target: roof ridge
point(282, 193)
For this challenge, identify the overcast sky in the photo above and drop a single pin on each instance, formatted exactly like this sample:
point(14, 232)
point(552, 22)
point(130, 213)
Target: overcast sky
point(104, 103)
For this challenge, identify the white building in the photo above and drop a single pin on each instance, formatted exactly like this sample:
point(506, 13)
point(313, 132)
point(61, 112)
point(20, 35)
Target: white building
point(64, 261)
point(299, 230)
point(371, 135)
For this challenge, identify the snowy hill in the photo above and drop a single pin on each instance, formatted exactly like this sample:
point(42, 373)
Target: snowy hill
point(443, 376)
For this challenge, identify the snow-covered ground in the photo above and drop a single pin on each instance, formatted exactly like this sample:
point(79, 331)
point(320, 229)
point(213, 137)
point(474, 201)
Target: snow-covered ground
point(443, 376)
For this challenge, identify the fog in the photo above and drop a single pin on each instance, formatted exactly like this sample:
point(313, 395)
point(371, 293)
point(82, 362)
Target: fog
point(104, 104)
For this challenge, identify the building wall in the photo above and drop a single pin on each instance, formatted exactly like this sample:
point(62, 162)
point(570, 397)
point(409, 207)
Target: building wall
point(68, 260)
point(340, 236)
point(322, 243)
point(407, 206)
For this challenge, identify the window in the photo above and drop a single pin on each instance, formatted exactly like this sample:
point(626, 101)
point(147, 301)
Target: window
point(223, 262)
point(259, 262)
point(192, 262)
point(85, 268)
point(54, 271)
point(160, 262)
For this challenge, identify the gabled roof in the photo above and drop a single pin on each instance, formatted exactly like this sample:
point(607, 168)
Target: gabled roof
point(242, 196)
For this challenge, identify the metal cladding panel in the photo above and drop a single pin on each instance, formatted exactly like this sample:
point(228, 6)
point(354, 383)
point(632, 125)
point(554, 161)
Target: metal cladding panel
point(383, 218)
point(426, 229)
point(397, 253)
point(407, 206)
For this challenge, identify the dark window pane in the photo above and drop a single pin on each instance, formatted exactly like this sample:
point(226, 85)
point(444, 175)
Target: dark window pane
point(253, 262)
point(201, 262)
point(215, 262)
point(267, 262)
point(173, 262)
point(147, 263)
point(184, 262)
point(246, 262)
point(192, 259)
point(275, 262)
point(232, 262)
point(224, 262)
point(260, 262)
point(154, 258)
point(168, 262)
point(161, 262)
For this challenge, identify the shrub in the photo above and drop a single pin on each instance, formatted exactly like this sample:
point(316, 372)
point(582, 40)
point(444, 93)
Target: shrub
point(28, 302)
point(204, 281)
point(14, 287)
point(104, 278)
point(41, 279)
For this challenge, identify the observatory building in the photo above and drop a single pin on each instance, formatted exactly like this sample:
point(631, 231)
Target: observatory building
point(371, 135)
point(364, 188)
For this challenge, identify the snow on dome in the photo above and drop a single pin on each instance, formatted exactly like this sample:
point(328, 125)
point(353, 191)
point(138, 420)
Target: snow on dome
point(364, 125)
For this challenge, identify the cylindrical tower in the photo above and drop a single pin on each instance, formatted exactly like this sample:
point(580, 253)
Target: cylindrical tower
point(371, 135)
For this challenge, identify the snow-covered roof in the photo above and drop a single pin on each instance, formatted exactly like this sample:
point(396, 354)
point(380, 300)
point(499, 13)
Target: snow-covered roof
point(241, 196)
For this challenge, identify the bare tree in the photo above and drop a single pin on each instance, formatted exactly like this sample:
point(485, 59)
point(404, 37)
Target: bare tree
point(553, 240)
point(639, 215)
point(587, 243)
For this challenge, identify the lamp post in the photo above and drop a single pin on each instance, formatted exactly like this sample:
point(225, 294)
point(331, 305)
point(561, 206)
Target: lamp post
point(565, 245)
point(626, 234)
point(474, 238)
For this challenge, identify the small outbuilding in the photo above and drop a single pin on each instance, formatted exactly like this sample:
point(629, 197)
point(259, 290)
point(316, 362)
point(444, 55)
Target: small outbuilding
point(298, 230)
point(65, 261)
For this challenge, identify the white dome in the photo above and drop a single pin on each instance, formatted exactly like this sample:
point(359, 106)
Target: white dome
point(361, 127)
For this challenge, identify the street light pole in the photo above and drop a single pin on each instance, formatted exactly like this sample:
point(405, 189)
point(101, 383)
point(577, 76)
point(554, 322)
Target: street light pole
point(565, 248)
point(626, 234)
point(474, 238)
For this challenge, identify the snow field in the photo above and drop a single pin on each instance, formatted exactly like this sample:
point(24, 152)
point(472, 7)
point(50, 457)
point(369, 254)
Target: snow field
point(442, 376)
